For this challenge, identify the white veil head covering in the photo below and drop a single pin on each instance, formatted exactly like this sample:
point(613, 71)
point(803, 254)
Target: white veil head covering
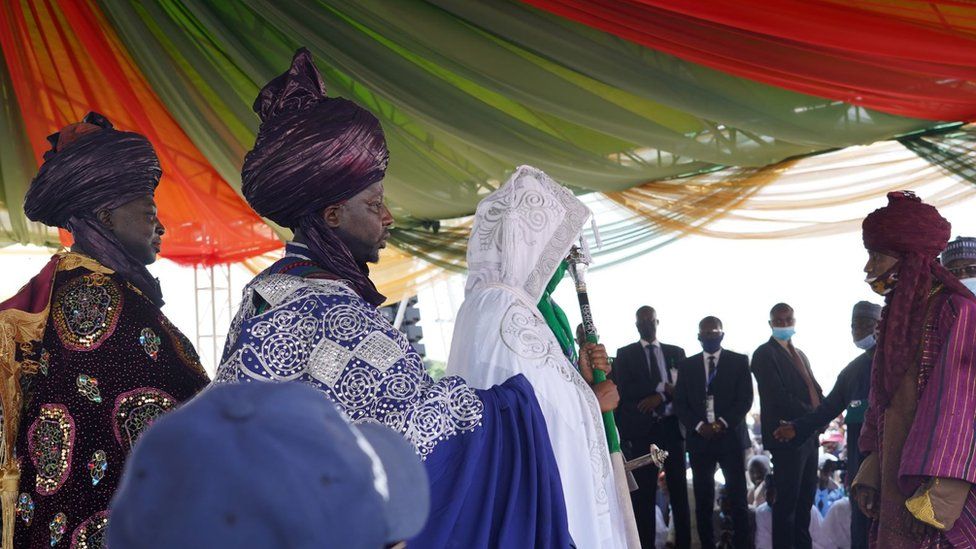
point(522, 232)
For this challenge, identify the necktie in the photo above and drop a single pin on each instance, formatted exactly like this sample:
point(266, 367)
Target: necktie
point(801, 368)
point(652, 362)
point(711, 369)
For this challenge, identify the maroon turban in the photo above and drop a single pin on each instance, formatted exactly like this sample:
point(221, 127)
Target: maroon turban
point(313, 151)
point(915, 233)
point(92, 167)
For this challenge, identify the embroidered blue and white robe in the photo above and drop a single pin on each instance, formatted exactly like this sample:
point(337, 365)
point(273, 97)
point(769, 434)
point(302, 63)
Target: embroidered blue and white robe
point(494, 480)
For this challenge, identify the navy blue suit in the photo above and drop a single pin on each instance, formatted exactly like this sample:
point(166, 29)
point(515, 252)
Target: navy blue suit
point(731, 390)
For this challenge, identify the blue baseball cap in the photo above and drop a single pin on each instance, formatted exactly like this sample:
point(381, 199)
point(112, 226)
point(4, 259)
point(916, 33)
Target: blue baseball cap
point(267, 465)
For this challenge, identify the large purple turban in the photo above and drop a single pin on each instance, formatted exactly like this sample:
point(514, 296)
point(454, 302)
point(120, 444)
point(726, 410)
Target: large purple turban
point(313, 151)
point(914, 232)
point(92, 167)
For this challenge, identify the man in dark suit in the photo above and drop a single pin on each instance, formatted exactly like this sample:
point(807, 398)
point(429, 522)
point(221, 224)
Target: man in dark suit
point(711, 398)
point(645, 373)
point(788, 390)
point(850, 391)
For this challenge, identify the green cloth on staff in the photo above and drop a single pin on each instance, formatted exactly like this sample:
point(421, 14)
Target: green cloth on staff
point(556, 317)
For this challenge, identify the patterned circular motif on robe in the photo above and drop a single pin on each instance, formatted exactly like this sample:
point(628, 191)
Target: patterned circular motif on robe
point(286, 354)
point(51, 440)
point(401, 386)
point(465, 407)
point(86, 311)
point(427, 425)
point(285, 342)
point(395, 419)
point(136, 410)
point(346, 322)
point(91, 534)
point(357, 387)
point(520, 332)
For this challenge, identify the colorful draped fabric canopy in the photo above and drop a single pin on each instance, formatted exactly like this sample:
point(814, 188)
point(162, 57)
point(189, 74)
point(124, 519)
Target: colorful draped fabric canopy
point(910, 58)
point(604, 96)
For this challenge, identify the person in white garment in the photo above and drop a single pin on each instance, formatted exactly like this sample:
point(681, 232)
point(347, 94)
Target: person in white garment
point(835, 530)
point(521, 234)
point(764, 519)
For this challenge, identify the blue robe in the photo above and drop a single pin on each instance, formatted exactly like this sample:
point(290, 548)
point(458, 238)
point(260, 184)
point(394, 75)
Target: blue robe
point(493, 476)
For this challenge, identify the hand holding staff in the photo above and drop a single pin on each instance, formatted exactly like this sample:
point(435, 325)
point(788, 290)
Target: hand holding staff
point(578, 263)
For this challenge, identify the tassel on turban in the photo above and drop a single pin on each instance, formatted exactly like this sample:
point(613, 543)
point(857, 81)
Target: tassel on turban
point(92, 167)
point(313, 151)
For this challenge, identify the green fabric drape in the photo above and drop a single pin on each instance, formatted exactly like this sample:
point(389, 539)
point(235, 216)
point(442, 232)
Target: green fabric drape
point(17, 167)
point(555, 317)
point(468, 90)
point(954, 151)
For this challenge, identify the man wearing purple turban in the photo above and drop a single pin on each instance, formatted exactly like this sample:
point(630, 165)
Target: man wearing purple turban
point(919, 443)
point(87, 359)
point(317, 168)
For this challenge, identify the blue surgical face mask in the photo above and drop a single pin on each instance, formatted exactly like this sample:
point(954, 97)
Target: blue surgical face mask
point(969, 283)
point(865, 343)
point(784, 334)
point(711, 344)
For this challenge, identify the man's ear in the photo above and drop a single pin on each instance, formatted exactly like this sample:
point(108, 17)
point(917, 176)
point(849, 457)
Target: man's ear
point(104, 217)
point(331, 215)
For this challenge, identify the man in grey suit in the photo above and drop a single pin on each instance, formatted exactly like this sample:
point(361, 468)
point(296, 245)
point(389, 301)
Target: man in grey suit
point(788, 390)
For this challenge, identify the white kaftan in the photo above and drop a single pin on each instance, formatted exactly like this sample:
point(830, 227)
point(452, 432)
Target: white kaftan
point(521, 233)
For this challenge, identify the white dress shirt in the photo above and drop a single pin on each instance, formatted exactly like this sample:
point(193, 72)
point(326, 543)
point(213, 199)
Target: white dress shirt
point(705, 357)
point(662, 367)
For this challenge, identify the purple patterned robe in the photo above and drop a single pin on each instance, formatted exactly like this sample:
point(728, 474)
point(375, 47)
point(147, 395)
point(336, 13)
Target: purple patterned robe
point(941, 438)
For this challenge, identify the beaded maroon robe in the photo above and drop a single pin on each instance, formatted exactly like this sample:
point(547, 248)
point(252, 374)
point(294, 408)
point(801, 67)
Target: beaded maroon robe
point(107, 364)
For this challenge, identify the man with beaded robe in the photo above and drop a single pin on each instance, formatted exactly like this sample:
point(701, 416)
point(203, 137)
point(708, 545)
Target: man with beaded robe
point(317, 168)
point(87, 358)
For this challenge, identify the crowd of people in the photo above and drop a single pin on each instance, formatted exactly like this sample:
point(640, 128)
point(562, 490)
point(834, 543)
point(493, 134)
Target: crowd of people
point(713, 405)
point(787, 474)
point(322, 427)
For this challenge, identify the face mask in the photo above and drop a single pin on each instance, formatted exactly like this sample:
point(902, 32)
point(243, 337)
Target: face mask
point(884, 284)
point(865, 343)
point(784, 334)
point(969, 283)
point(711, 344)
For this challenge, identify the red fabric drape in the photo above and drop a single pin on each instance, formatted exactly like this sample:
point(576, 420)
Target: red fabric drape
point(65, 60)
point(916, 59)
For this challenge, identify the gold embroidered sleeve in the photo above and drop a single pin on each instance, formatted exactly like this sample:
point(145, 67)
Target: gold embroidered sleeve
point(939, 502)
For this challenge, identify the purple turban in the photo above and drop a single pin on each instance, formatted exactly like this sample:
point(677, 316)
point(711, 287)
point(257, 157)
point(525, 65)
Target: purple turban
point(914, 232)
point(313, 151)
point(93, 167)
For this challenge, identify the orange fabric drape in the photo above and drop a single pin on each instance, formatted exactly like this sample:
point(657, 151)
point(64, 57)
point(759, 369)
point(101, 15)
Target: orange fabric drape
point(65, 60)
